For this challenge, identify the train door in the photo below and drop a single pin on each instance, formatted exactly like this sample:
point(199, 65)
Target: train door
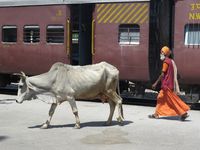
point(74, 56)
point(161, 33)
point(81, 19)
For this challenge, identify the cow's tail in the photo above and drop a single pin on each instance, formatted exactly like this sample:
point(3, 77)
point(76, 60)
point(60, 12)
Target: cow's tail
point(118, 91)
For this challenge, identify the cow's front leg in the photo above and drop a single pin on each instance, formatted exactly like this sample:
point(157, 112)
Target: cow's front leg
point(51, 112)
point(112, 109)
point(118, 100)
point(72, 103)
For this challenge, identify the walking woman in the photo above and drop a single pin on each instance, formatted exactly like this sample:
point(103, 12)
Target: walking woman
point(168, 103)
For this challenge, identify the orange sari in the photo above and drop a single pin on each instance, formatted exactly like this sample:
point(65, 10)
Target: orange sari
point(169, 104)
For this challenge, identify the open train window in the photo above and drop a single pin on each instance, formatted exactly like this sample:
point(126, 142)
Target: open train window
point(129, 34)
point(9, 34)
point(31, 34)
point(55, 34)
point(192, 34)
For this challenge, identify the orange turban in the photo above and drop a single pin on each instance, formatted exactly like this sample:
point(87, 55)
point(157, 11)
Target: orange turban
point(166, 51)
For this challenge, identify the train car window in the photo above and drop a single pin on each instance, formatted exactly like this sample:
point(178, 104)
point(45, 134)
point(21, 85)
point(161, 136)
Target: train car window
point(192, 34)
point(55, 34)
point(9, 34)
point(129, 34)
point(31, 34)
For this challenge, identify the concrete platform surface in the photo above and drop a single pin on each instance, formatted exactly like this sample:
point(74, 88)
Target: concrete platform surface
point(20, 128)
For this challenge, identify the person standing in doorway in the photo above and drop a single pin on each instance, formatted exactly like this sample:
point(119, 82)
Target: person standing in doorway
point(168, 102)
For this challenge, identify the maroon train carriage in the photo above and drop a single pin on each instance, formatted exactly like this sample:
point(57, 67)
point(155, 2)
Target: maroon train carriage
point(187, 40)
point(43, 33)
point(32, 38)
point(121, 37)
point(126, 33)
point(186, 46)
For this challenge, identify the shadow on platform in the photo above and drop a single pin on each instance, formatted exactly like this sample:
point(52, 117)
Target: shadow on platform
point(2, 138)
point(86, 124)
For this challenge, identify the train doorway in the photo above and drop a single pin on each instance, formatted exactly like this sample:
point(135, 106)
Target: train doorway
point(161, 33)
point(81, 24)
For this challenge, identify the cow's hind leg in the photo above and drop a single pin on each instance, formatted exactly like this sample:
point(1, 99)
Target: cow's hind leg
point(51, 112)
point(72, 103)
point(112, 109)
point(120, 118)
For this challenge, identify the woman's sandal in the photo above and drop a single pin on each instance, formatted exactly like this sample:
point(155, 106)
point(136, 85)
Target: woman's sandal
point(184, 116)
point(153, 116)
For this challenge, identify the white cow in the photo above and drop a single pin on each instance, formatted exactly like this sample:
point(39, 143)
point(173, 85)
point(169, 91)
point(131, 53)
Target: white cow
point(68, 83)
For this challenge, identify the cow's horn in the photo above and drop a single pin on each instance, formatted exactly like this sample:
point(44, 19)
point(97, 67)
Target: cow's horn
point(23, 76)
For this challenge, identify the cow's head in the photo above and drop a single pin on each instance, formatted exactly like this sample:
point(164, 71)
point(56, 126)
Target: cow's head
point(24, 92)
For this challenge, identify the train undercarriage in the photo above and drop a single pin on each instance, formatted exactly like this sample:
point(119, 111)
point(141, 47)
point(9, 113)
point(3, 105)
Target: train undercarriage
point(143, 91)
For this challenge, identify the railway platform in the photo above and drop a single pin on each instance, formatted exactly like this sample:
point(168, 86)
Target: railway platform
point(20, 128)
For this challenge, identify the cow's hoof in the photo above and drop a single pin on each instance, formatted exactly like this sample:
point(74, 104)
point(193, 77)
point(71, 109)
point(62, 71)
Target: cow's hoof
point(107, 123)
point(121, 123)
point(120, 120)
point(77, 126)
point(44, 126)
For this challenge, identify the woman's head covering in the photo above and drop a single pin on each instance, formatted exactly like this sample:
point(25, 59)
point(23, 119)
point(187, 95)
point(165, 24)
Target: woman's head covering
point(166, 51)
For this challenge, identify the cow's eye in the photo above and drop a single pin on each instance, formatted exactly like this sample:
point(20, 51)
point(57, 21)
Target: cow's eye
point(20, 86)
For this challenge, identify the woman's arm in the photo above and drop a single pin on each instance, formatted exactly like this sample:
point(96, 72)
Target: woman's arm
point(157, 81)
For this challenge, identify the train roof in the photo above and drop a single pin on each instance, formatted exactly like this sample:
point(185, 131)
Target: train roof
point(7, 3)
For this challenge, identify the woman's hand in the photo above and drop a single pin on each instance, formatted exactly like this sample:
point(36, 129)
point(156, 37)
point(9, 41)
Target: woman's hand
point(154, 86)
